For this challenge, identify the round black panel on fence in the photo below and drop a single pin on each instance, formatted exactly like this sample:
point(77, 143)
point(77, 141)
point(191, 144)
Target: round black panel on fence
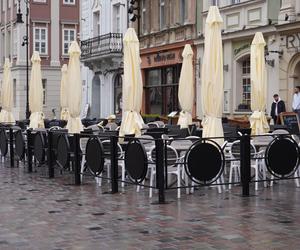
point(39, 147)
point(20, 144)
point(136, 163)
point(282, 157)
point(3, 142)
point(94, 156)
point(63, 149)
point(204, 162)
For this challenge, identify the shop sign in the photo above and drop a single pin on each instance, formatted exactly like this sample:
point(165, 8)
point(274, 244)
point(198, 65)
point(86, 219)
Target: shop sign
point(241, 48)
point(162, 58)
point(291, 41)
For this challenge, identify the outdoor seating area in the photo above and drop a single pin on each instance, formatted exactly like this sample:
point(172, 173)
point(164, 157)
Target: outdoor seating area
point(162, 158)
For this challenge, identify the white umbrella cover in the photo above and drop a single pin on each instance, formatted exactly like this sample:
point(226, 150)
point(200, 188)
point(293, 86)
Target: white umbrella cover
point(64, 115)
point(186, 88)
point(212, 77)
point(258, 120)
point(6, 115)
point(36, 93)
point(132, 121)
point(74, 89)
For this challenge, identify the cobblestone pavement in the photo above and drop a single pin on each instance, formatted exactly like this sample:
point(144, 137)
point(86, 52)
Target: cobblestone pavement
point(38, 213)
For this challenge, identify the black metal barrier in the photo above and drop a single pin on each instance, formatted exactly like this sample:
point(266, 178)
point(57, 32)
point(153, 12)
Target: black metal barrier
point(201, 161)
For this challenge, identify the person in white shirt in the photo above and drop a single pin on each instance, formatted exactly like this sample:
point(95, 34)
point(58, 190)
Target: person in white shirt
point(296, 101)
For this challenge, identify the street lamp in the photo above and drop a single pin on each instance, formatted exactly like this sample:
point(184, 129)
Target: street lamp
point(25, 43)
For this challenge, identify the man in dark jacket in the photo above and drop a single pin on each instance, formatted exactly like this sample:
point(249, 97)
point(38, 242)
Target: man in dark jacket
point(278, 107)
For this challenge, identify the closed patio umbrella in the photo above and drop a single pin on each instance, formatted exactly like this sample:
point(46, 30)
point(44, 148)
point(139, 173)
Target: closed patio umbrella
point(132, 121)
point(6, 115)
point(64, 115)
point(36, 93)
point(212, 77)
point(74, 94)
point(186, 88)
point(258, 120)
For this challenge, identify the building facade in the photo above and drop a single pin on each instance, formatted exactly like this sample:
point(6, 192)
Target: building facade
point(103, 24)
point(53, 25)
point(279, 23)
point(164, 27)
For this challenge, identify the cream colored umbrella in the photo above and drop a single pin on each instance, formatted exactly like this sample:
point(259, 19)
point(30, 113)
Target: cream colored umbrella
point(7, 101)
point(36, 93)
point(132, 121)
point(64, 115)
point(258, 120)
point(74, 94)
point(212, 77)
point(186, 88)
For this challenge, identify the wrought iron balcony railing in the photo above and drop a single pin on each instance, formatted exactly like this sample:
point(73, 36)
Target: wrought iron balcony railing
point(102, 45)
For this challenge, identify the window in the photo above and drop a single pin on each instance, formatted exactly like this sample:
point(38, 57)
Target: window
point(183, 11)
point(116, 18)
point(15, 42)
point(235, 1)
point(246, 84)
point(162, 14)
point(40, 40)
point(69, 36)
point(118, 94)
point(9, 3)
point(162, 90)
point(69, 2)
point(144, 17)
point(44, 82)
point(96, 23)
point(215, 2)
point(3, 6)
point(15, 91)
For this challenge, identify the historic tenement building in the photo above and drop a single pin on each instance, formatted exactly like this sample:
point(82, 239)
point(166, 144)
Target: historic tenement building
point(103, 24)
point(53, 25)
point(165, 26)
point(279, 21)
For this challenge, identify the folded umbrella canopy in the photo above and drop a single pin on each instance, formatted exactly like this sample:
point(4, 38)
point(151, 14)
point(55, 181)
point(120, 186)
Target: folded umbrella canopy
point(64, 115)
point(186, 88)
point(74, 95)
point(36, 93)
point(212, 77)
point(132, 121)
point(258, 120)
point(6, 115)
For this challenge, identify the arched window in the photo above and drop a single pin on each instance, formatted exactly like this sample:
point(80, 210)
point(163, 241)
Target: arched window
point(243, 84)
point(118, 94)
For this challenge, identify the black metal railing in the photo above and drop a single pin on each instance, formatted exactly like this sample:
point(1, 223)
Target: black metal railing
point(102, 45)
point(200, 161)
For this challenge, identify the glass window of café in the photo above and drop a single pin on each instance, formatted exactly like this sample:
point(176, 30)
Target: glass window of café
point(243, 84)
point(118, 94)
point(161, 87)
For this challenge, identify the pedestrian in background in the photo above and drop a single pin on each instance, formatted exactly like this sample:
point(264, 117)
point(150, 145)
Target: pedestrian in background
point(278, 106)
point(296, 101)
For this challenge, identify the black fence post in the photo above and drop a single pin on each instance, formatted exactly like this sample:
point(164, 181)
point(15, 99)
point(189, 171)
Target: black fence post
point(29, 150)
point(77, 159)
point(50, 155)
point(245, 164)
point(159, 148)
point(11, 148)
point(114, 164)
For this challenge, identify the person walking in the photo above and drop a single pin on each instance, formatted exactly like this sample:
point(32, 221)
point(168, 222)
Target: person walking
point(278, 106)
point(296, 101)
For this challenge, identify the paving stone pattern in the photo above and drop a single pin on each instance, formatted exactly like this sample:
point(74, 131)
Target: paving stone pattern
point(38, 213)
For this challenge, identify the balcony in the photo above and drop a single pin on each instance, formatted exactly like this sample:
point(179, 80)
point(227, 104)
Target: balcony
point(102, 47)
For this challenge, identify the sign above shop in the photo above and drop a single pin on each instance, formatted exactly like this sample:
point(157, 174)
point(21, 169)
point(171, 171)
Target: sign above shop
point(241, 48)
point(291, 41)
point(159, 59)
